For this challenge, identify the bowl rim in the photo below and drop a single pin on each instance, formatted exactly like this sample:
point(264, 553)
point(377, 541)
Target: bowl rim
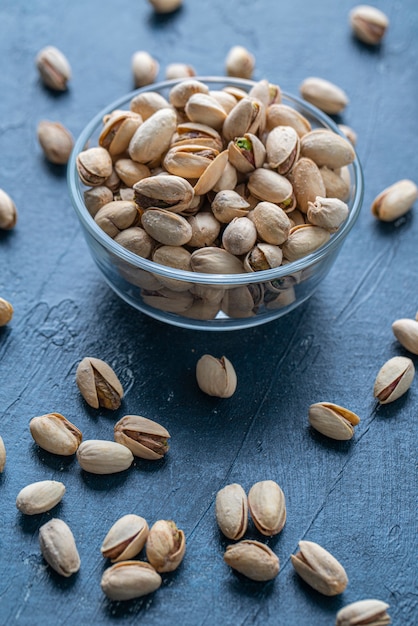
point(198, 277)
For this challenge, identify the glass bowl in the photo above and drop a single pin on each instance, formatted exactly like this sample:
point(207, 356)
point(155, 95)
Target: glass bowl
point(209, 301)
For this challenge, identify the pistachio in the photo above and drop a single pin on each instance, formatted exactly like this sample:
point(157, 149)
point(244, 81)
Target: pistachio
point(239, 302)
point(228, 179)
point(144, 438)
point(212, 174)
point(272, 187)
point(153, 137)
point(263, 256)
point(166, 545)
point(103, 457)
point(180, 93)
point(349, 133)
point(213, 260)
point(117, 216)
point(8, 212)
point(328, 213)
point(165, 6)
point(118, 131)
point(226, 100)
point(54, 433)
point(166, 227)
point(325, 147)
point(369, 24)
point(179, 70)
point(335, 185)
point(39, 497)
point(189, 161)
point(164, 192)
point(332, 420)
point(267, 506)
point(53, 68)
point(281, 299)
point(204, 109)
point(395, 200)
point(253, 559)
point(239, 236)
point(145, 104)
point(362, 613)
point(283, 148)
point(406, 332)
point(324, 95)
point(266, 92)
point(144, 68)
point(173, 256)
point(394, 379)
point(194, 133)
point(58, 547)
point(307, 183)
point(246, 153)
point(231, 509)
point(131, 172)
point(271, 223)
point(98, 384)
point(2, 455)
point(55, 140)
point(96, 197)
point(284, 115)
point(205, 229)
point(228, 204)
point(239, 62)
point(6, 312)
point(94, 166)
point(319, 569)
point(136, 240)
point(167, 300)
point(246, 117)
point(303, 240)
point(129, 579)
point(216, 377)
point(125, 539)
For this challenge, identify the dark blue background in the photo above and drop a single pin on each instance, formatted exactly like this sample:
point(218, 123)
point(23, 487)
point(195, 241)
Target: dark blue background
point(357, 499)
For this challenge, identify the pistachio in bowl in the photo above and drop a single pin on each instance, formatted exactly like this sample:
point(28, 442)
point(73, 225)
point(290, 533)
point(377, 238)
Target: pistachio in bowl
point(214, 203)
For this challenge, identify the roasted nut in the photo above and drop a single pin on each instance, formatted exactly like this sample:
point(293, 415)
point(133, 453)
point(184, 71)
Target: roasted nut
point(2, 455)
point(213, 260)
point(271, 222)
point(267, 506)
point(8, 212)
point(263, 256)
point(204, 109)
point(58, 547)
point(253, 559)
point(246, 153)
point(164, 192)
point(98, 384)
point(228, 204)
point(166, 227)
point(327, 148)
point(205, 229)
point(39, 497)
point(307, 183)
point(54, 433)
point(319, 569)
point(239, 62)
point(324, 95)
point(6, 312)
point(145, 104)
point(180, 93)
point(96, 197)
point(272, 187)
point(406, 332)
point(332, 420)
point(363, 613)
point(166, 545)
point(104, 457)
point(394, 379)
point(395, 200)
point(118, 131)
point(125, 539)
point(144, 68)
point(328, 213)
point(143, 437)
point(56, 141)
point(283, 146)
point(54, 68)
point(130, 579)
point(335, 185)
point(94, 166)
point(303, 240)
point(117, 216)
point(231, 509)
point(216, 377)
point(369, 24)
point(284, 115)
point(246, 117)
point(239, 236)
point(136, 240)
point(153, 137)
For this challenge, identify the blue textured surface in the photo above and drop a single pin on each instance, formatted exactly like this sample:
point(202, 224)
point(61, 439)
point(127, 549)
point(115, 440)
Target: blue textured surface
point(357, 499)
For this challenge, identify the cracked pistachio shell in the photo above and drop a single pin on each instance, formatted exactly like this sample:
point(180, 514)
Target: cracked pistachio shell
point(328, 213)
point(272, 223)
point(246, 153)
point(332, 420)
point(98, 384)
point(53, 67)
point(319, 569)
point(395, 200)
point(212, 260)
point(307, 183)
point(195, 133)
point(54, 433)
point(103, 457)
point(55, 140)
point(272, 187)
point(303, 240)
point(406, 332)
point(284, 115)
point(227, 180)
point(266, 92)
point(94, 166)
point(145, 104)
point(167, 300)
point(226, 100)
point(239, 62)
point(203, 108)
point(263, 256)
point(166, 545)
point(130, 579)
point(40, 497)
point(267, 506)
point(180, 93)
point(6, 312)
point(335, 185)
point(172, 193)
point(136, 240)
point(239, 236)
point(216, 377)
point(205, 229)
point(118, 131)
point(211, 175)
point(8, 212)
point(368, 23)
point(323, 94)
point(253, 559)
point(144, 68)
point(166, 227)
point(152, 138)
point(283, 146)
point(96, 197)
point(394, 379)
point(228, 204)
point(231, 510)
point(58, 547)
point(125, 539)
point(144, 438)
point(247, 116)
point(2, 455)
point(325, 147)
point(189, 161)
point(363, 613)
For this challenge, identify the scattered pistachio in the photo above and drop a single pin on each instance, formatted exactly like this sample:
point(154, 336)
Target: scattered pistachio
point(231, 509)
point(333, 420)
point(395, 201)
point(216, 377)
point(56, 141)
point(39, 497)
point(369, 24)
point(104, 457)
point(363, 613)
point(130, 579)
point(253, 559)
point(125, 539)
point(54, 433)
point(166, 545)
point(6, 312)
point(324, 95)
point(239, 62)
point(8, 211)
point(58, 547)
point(2, 455)
point(165, 6)
point(267, 506)
point(394, 379)
point(406, 332)
point(98, 384)
point(144, 68)
point(319, 569)
point(54, 69)
point(179, 70)
point(144, 438)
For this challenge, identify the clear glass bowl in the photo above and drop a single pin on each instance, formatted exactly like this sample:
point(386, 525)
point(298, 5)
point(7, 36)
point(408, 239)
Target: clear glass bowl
point(248, 299)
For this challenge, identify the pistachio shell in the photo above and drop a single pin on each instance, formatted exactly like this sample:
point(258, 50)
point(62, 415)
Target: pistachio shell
point(2, 455)
point(323, 94)
point(54, 433)
point(180, 93)
point(270, 186)
point(166, 545)
point(239, 236)
point(246, 117)
point(204, 109)
point(406, 332)
point(130, 579)
point(144, 438)
point(167, 300)
point(284, 115)
point(125, 539)
point(239, 62)
point(231, 509)
point(58, 547)
point(267, 506)
point(303, 240)
point(395, 201)
point(216, 377)
point(213, 260)
point(394, 379)
point(253, 559)
point(283, 148)
point(325, 147)
point(319, 569)
point(369, 23)
point(228, 204)
point(328, 213)
point(136, 240)
point(271, 222)
point(307, 183)
point(172, 193)
point(362, 613)
point(332, 420)
point(153, 137)
point(8, 212)
point(166, 227)
point(104, 457)
point(94, 166)
point(40, 497)
point(98, 383)
point(145, 104)
point(118, 131)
